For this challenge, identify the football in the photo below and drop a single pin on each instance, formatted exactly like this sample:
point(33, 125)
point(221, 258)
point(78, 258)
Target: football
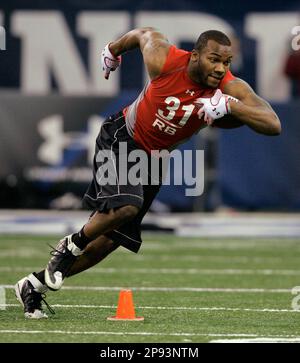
point(227, 122)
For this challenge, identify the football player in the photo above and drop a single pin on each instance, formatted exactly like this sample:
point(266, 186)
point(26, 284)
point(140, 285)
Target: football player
point(186, 92)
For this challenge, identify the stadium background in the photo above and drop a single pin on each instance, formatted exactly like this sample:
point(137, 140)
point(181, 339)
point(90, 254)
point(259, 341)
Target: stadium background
point(53, 98)
point(230, 268)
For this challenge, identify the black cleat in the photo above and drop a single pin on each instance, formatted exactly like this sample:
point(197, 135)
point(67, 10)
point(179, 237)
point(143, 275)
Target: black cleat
point(30, 293)
point(64, 256)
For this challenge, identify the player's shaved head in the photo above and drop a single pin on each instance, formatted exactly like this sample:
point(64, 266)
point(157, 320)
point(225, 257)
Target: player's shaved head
point(210, 59)
point(215, 35)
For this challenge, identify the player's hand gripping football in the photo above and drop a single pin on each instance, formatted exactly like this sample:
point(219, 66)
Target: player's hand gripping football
point(109, 61)
point(215, 107)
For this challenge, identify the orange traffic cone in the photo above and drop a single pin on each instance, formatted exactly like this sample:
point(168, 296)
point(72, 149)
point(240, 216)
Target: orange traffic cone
point(125, 309)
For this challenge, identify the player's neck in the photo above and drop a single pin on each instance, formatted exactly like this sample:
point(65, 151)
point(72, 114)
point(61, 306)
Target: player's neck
point(194, 76)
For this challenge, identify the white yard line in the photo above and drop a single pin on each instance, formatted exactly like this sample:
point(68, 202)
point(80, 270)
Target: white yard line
point(219, 244)
point(183, 308)
point(170, 289)
point(184, 243)
point(194, 271)
point(163, 257)
point(141, 333)
point(171, 271)
point(258, 340)
point(198, 258)
point(21, 253)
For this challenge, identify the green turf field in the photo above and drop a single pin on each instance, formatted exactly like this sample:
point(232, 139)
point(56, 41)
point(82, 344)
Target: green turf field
point(187, 289)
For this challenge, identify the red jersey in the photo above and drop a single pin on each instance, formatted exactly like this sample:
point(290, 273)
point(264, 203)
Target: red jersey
point(164, 114)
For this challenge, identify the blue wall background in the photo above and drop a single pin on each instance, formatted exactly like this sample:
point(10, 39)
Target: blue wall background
point(253, 171)
point(257, 171)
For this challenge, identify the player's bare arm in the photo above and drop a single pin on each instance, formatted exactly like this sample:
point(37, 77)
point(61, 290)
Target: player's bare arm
point(252, 110)
point(153, 45)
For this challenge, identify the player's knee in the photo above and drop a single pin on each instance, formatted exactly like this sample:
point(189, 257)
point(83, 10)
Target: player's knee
point(128, 212)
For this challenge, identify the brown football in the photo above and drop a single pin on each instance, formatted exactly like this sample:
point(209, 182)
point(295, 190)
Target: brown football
point(227, 122)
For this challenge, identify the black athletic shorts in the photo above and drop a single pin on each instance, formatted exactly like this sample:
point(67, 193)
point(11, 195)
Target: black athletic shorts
point(105, 196)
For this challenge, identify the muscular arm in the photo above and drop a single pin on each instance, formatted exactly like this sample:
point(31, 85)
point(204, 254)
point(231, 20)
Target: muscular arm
point(153, 45)
point(253, 111)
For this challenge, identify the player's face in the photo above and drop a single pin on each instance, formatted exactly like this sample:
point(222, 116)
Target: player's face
point(212, 63)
